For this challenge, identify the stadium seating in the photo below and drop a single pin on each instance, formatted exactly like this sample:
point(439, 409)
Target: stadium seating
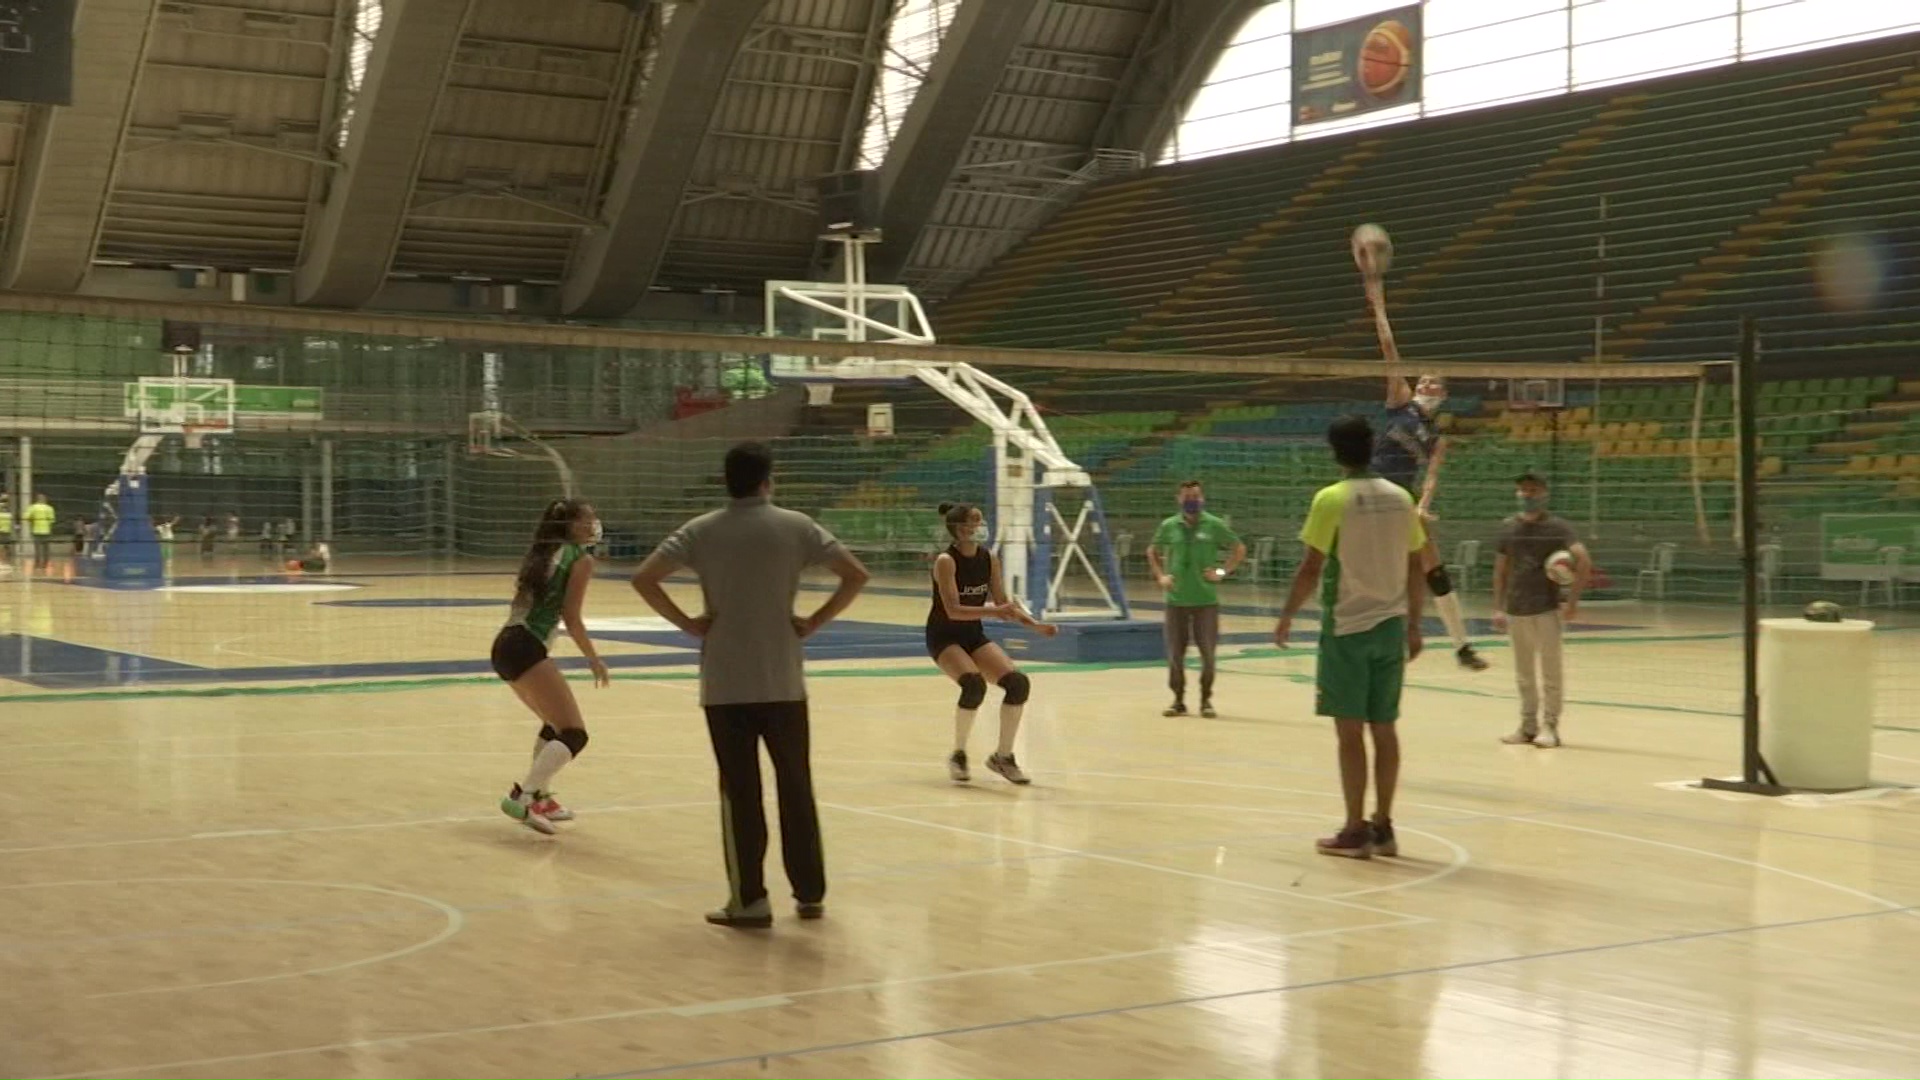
point(1713, 184)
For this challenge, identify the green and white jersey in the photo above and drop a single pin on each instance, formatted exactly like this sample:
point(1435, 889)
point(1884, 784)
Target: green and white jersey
point(541, 614)
point(1366, 526)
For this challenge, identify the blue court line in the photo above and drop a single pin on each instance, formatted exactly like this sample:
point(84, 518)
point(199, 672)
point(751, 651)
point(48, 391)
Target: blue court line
point(762, 1057)
point(414, 602)
point(51, 664)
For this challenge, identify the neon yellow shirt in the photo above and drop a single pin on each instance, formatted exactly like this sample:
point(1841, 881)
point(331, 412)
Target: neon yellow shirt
point(1366, 527)
point(40, 519)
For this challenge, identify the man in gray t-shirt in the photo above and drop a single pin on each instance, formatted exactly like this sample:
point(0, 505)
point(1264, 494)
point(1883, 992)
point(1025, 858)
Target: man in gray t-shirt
point(749, 558)
point(1526, 603)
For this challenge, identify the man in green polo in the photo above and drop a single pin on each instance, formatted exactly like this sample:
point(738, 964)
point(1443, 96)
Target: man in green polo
point(1185, 559)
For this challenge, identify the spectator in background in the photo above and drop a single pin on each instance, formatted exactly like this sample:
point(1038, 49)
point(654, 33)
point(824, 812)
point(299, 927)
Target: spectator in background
point(209, 536)
point(40, 521)
point(6, 533)
point(1527, 604)
point(1185, 557)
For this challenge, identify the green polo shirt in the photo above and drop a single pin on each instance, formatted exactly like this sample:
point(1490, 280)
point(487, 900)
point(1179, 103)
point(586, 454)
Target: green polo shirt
point(1188, 552)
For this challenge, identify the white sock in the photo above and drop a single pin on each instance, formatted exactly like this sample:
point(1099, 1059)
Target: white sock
point(539, 743)
point(1449, 606)
point(1009, 725)
point(963, 726)
point(551, 758)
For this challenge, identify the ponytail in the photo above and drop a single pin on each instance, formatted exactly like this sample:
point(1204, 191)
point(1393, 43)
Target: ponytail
point(536, 568)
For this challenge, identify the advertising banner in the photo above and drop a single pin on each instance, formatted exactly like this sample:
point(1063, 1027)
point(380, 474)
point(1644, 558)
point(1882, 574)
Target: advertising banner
point(1851, 546)
point(1358, 66)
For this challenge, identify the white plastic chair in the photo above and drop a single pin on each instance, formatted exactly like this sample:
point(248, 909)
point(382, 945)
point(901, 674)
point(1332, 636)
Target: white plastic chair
point(1466, 557)
point(1769, 570)
point(1262, 558)
point(1886, 575)
point(1659, 567)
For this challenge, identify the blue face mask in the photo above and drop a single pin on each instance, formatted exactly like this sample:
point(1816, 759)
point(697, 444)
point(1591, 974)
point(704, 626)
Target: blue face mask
point(1192, 506)
point(1532, 504)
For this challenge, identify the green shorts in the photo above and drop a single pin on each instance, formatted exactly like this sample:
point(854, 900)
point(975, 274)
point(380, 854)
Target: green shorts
point(1358, 676)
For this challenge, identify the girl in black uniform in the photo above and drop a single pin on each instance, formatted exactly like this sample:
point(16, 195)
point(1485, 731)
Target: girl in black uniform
point(967, 589)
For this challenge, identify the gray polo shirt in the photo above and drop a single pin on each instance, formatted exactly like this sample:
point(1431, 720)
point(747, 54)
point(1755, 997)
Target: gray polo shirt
point(750, 557)
point(1527, 544)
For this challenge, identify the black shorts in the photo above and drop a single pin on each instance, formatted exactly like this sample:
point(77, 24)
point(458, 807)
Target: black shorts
point(515, 652)
point(969, 635)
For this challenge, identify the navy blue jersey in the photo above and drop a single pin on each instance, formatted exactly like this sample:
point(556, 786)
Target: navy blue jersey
point(1405, 445)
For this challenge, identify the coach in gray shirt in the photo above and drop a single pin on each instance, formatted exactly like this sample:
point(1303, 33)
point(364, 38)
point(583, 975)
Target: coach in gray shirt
point(749, 558)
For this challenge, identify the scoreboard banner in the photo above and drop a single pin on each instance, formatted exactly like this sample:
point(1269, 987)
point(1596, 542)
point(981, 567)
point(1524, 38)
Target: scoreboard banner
point(1358, 66)
point(36, 51)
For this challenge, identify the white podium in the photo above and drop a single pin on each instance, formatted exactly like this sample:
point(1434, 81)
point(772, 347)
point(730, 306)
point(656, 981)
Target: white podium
point(1816, 702)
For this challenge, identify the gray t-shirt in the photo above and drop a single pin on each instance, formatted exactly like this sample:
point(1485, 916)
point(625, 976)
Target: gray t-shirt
point(749, 557)
point(1526, 544)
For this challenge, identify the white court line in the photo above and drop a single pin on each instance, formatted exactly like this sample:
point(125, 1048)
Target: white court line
point(1116, 860)
point(455, 922)
point(221, 647)
point(1459, 860)
point(735, 1004)
point(1905, 909)
point(298, 830)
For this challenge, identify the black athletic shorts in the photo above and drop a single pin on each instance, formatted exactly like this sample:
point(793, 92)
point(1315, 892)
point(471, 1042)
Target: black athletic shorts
point(968, 634)
point(515, 651)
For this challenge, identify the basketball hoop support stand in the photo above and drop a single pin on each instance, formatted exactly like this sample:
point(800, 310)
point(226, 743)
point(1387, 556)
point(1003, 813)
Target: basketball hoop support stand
point(1028, 465)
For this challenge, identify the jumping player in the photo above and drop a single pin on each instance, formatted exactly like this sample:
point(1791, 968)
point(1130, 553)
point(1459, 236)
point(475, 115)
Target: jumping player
point(550, 587)
point(1409, 446)
point(967, 588)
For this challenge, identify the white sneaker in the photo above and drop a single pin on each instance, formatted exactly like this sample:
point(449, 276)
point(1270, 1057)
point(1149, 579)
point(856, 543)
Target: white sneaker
point(1007, 767)
point(1549, 737)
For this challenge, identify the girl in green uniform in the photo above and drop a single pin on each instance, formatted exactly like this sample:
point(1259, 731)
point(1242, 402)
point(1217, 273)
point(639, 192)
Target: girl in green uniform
point(550, 588)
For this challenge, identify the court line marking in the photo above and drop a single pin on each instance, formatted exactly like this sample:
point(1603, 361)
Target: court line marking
point(1537, 818)
point(762, 1058)
point(1458, 861)
point(455, 922)
point(1215, 879)
point(877, 874)
point(221, 647)
point(730, 1004)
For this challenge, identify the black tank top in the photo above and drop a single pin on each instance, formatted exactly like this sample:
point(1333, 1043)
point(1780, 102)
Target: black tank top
point(972, 577)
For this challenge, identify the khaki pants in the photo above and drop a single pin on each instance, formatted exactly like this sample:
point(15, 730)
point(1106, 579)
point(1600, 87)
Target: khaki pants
point(1536, 641)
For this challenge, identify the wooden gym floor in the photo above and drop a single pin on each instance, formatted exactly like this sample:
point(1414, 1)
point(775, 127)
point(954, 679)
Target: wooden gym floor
point(253, 835)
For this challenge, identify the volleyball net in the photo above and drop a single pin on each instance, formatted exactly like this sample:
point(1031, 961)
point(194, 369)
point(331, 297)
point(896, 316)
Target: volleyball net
point(434, 443)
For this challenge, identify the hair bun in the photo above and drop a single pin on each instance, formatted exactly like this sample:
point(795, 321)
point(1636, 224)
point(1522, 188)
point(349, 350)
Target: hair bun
point(946, 508)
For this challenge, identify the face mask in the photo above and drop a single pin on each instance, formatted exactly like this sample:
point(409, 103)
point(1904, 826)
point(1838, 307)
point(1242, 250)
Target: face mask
point(979, 534)
point(1428, 402)
point(1532, 504)
point(1192, 506)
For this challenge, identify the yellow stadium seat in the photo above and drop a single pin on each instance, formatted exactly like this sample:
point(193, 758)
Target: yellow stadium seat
point(1885, 465)
point(1770, 466)
point(1909, 465)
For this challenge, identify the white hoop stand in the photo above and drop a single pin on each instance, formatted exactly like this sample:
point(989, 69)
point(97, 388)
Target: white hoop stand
point(192, 408)
point(486, 429)
point(1028, 464)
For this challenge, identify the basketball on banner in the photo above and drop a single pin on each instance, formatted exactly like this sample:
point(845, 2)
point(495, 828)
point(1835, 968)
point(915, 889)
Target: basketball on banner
point(1357, 66)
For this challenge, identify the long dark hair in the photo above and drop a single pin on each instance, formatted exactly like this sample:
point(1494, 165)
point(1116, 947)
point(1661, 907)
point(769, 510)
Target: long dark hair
point(536, 569)
point(956, 515)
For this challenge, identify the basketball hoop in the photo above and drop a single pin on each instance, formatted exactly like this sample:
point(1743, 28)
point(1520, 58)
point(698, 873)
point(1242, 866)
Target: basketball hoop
point(819, 393)
point(1536, 395)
